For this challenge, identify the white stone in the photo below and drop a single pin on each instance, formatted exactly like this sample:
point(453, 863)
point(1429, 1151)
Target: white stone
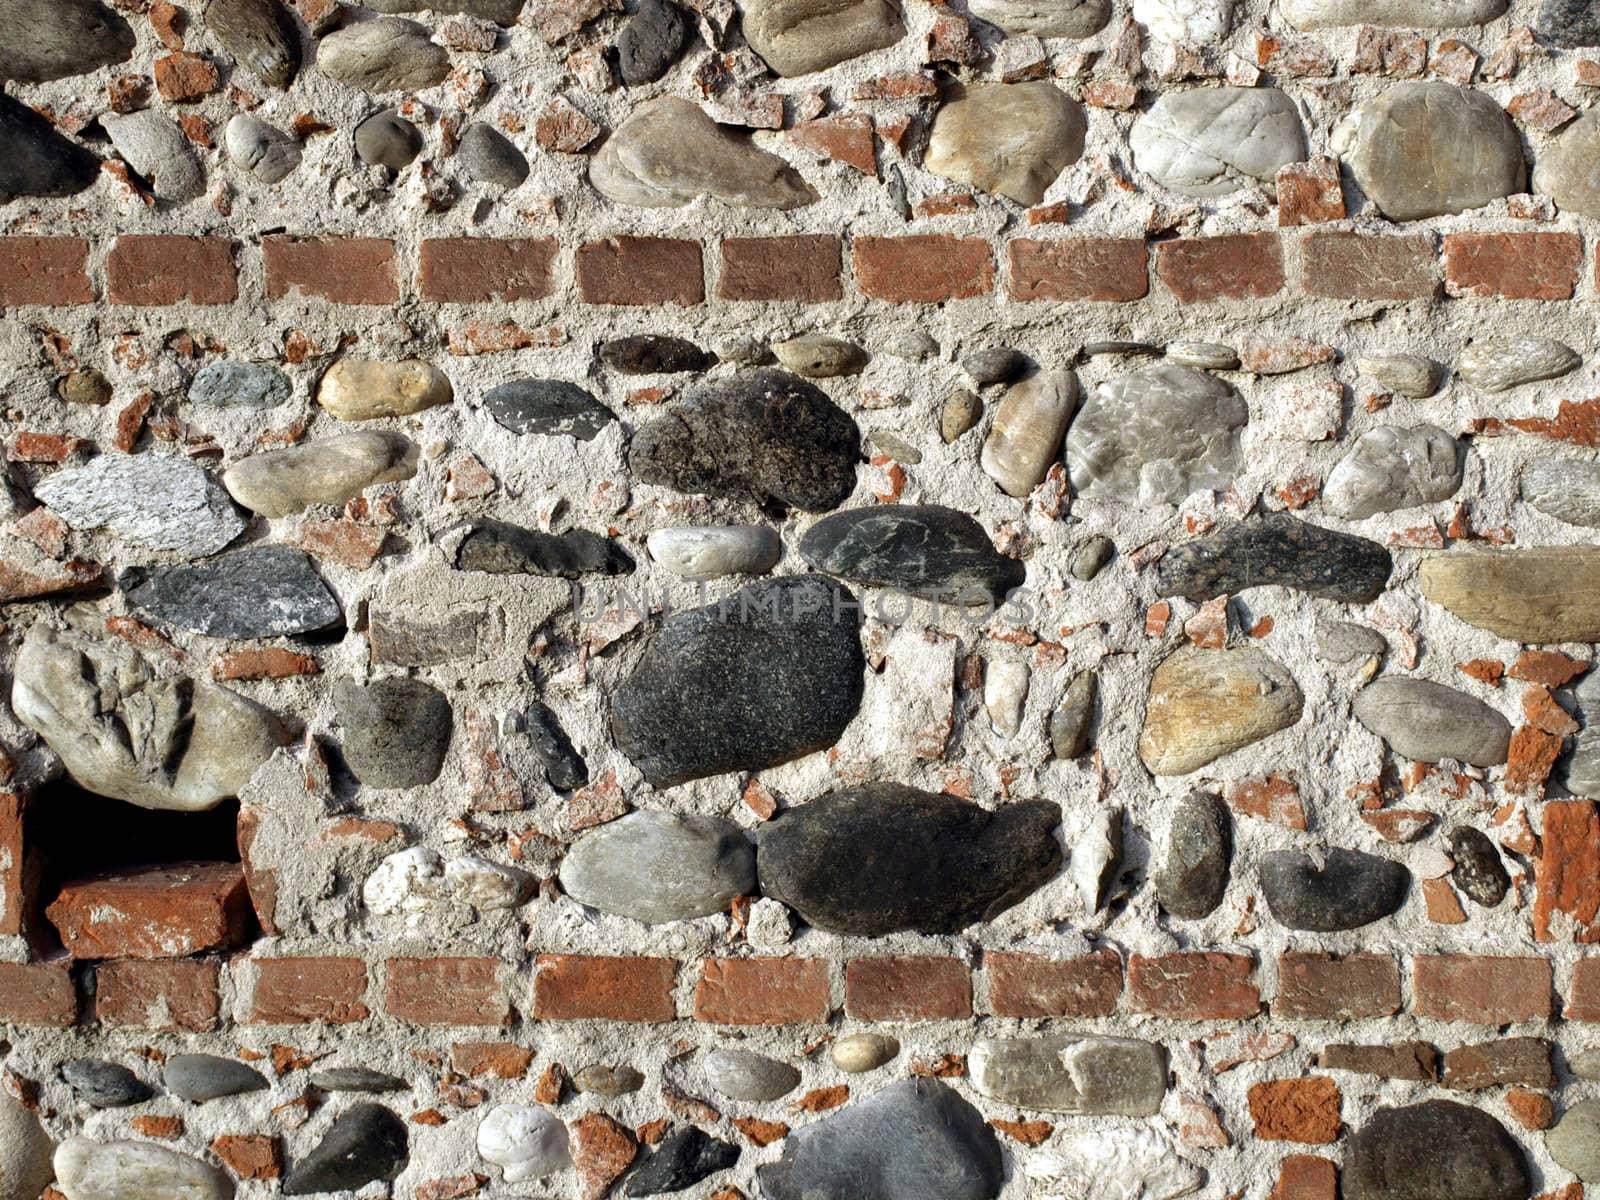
point(413, 880)
point(402, 882)
point(525, 1142)
point(163, 501)
point(1095, 854)
point(267, 152)
point(157, 149)
point(1117, 1164)
point(711, 551)
point(1391, 467)
point(1025, 438)
point(859, 1052)
point(1044, 18)
point(90, 1170)
point(24, 1152)
point(1187, 22)
point(1404, 14)
point(1005, 694)
point(484, 885)
point(281, 483)
point(1210, 142)
point(769, 925)
point(1501, 362)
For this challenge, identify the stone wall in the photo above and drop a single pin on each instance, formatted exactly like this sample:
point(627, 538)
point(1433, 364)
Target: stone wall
point(386, 396)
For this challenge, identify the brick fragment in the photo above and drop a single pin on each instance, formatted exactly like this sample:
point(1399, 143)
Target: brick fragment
point(1108, 270)
point(299, 991)
point(1566, 904)
point(641, 270)
point(1333, 987)
point(254, 1156)
point(1194, 986)
point(44, 270)
point(1583, 998)
point(1310, 193)
point(446, 991)
point(804, 267)
point(1397, 53)
point(1548, 667)
point(1244, 266)
point(1340, 265)
point(37, 994)
point(1306, 1177)
point(1530, 1110)
point(846, 138)
point(263, 662)
point(1481, 989)
point(1513, 266)
point(601, 1151)
point(1030, 985)
point(907, 988)
point(183, 78)
point(160, 912)
point(1517, 1060)
point(165, 1128)
point(340, 270)
point(12, 864)
point(503, 1060)
point(1414, 1061)
point(1272, 798)
point(160, 269)
point(923, 269)
point(563, 128)
point(572, 987)
point(1296, 1110)
point(763, 991)
point(473, 270)
point(166, 997)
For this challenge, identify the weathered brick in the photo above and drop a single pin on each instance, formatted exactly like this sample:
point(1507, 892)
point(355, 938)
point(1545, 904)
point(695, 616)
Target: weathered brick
point(11, 863)
point(472, 270)
point(804, 267)
point(641, 270)
point(1340, 265)
point(575, 987)
point(37, 994)
point(1296, 1110)
point(339, 270)
point(159, 912)
point(1566, 902)
point(44, 270)
point(299, 991)
point(1310, 193)
point(907, 988)
point(1336, 987)
point(763, 991)
point(1513, 266)
point(1306, 1177)
point(161, 269)
point(923, 269)
point(166, 997)
point(503, 1060)
point(263, 662)
point(256, 1156)
point(1195, 986)
point(1583, 999)
point(1481, 989)
point(1240, 266)
point(1416, 1061)
point(1517, 1060)
point(1030, 985)
point(446, 991)
point(1073, 269)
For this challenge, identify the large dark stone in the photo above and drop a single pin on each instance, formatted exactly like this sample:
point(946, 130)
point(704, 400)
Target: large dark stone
point(52, 39)
point(651, 41)
point(262, 591)
point(681, 1161)
point(773, 672)
point(1194, 877)
point(396, 731)
point(882, 857)
point(258, 33)
point(915, 1140)
point(653, 354)
point(762, 435)
point(1349, 890)
point(365, 1144)
point(35, 160)
point(500, 549)
point(1281, 550)
point(927, 550)
point(1570, 23)
point(1478, 871)
point(1440, 1150)
point(547, 406)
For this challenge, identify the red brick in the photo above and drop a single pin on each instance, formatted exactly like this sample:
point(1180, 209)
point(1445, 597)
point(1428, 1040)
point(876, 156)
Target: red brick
point(477, 270)
point(1336, 987)
point(804, 268)
point(1030, 985)
point(1296, 1110)
point(1350, 266)
point(1310, 193)
point(158, 269)
point(1566, 901)
point(641, 270)
point(763, 991)
point(44, 270)
point(11, 863)
point(447, 991)
point(1513, 266)
point(165, 997)
point(923, 269)
point(1241, 266)
point(574, 987)
point(1583, 1001)
point(184, 77)
point(1098, 269)
point(337, 269)
point(1194, 986)
point(161, 912)
point(37, 994)
point(907, 988)
point(1481, 989)
point(1306, 1177)
point(299, 991)
point(263, 662)
point(250, 1155)
point(503, 1060)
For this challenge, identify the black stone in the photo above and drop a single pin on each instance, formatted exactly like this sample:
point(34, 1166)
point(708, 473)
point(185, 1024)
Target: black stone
point(1350, 890)
point(396, 731)
point(365, 1144)
point(681, 1161)
point(564, 770)
point(52, 39)
point(914, 1140)
point(1570, 23)
point(102, 1084)
point(770, 673)
point(1192, 881)
point(1478, 871)
point(260, 35)
point(202, 1077)
point(35, 160)
point(500, 549)
point(1279, 550)
point(549, 407)
point(875, 859)
point(761, 435)
point(652, 354)
point(1439, 1150)
point(929, 551)
point(356, 1079)
point(259, 592)
point(651, 42)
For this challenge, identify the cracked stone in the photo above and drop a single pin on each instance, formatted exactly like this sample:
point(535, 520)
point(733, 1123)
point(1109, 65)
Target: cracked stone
point(387, 54)
point(1207, 703)
point(926, 550)
point(1393, 467)
point(1212, 141)
point(1079, 1075)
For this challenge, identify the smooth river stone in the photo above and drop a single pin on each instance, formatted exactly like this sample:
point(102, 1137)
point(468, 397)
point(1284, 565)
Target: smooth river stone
point(549, 407)
point(880, 858)
point(25, 1163)
point(359, 389)
point(1570, 23)
point(797, 37)
point(261, 591)
point(1337, 889)
point(1567, 489)
point(1400, 14)
point(119, 1170)
point(772, 673)
point(366, 1144)
point(1210, 142)
point(501, 12)
point(1535, 597)
point(162, 501)
point(669, 153)
point(1498, 364)
point(53, 39)
point(1566, 170)
point(202, 1077)
point(1410, 375)
point(383, 55)
point(1439, 1150)
point(1345, 642)
point(651, 41)
point(1392, 467)
point(1432, 149)
point(1478, 872)
point(1082, 1076)
point(761, 435)
point(1194, 875)
point(159, 151)
point(500, 549)
point(525, 1142)
point(487, 156)
point(35, 160)
point(386, 139)
point(1185, 22)
point(1155, 436)
point(914, 1140)
point(929, 551)
point(1575, 1141)
point(859, 1053)
point(1206, 703)
point(259, 35)
point(745, 1075)
point(1011, 139)
point(1045, 18)
point(229, 384)
point(1025, 439)
point(396, 730)
point(264, 150)
point(356, 1079)
point(1276, 550)
point(1427, 722)
point(712, 551)
point(280, 483)
point(658, 866)
point(819, 356)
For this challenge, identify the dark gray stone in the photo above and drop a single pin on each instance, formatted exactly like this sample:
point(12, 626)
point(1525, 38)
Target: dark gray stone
point(767, 675)
point(501, 12)
point(564, 770)
point(262, 591)
point(488, 156)
point(681, 1161)
point(1478, 871)
point(879, 858)
point(1092, 557)
point(1570, 23)
point(386, 139)
point(929, 551)
point(52, 39)
point(1440, 1150)
point(230, 384)
point(998, 364)
point(651, 42)
point(356, 1079)
point(1192, 880)
point(1350, 889)
point(549, 407)
point(914, 1140)
point(1276, 550)
point(500, 549)
point(396, 731)
point(202, 1077)
point(1069, 724)
point(102, 1084)
point(653, 354)
point(762, 435)
point(260, 35)
point(365, 1144)
point(35, 160)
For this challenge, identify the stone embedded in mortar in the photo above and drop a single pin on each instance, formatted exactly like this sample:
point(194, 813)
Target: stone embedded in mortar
point(1393, 467)
point(1535, 596)
point(1439, 1150)
point(264, 150)
point(682, 1160)
point(1569, 23)
point(1567, 489)
point(994, 364)
point(202, 1077)
point(745, 1075)
point(102, 1084)
point(1337, 889)
point(159, 151)
point(651, 41)
point(1207, 703)
point(367, 1143)
point(416, 879)
point(500, 549)
point(1005, 694)
point(1499, 363)
point(658, 867)
point(281, 483)
point(1011, 139)
point(1211, 142)
point(261, 591)
point(859, 1053)
point(820, 356)
point(1194, 875)
point(525, 1142)
point(797, 37)
point(383, 55)
point(608, 1080)
point(1204, 356)
point(1277, 550)
point(926, 550)
point(162, 501)
point(259, 35)
point(26, 1168)
point(54, 39)
point(1097, 858)
point(1409, 375)
point(712, 551)
point(1575, 1141)
point(1429, 722)
point(1401, 14)
point(1070, 722)
point(1344, 642)
point(356, 1079)
point(35, 160)
point(880, 858)
point(1092, 558)
point(1564, 170)
point(1582, 771)
point(564, 770)
point(396, 730)
point(1078, 1075)
point(1120, 1164)
point(548, 407)
point(124, 1170)
point(501, 12)
point(1185, 22)
point(356, 389)
point(1025, 438)
point(487, 156)
point(386, 139)
point(228, 383)
point(772, 673)
point(653, 354)
point(961, 411)
point(1478, 871)
point(1045, 18)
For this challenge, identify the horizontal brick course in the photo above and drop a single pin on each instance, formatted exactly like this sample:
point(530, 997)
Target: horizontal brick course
point(1202, 986)
point(1336, 987)
point(1072, 269)
point(1243, 266)
point(165, 997)
point(340, 270)
point(805, 268)
point(763, 991)
point(446, 991)
point(1513, 266)
point(1354, 266)
point(1031, 985)
point(37, 994)
point(900, 988)
point(301, 991)
point(1481, 989)
point(573, 987)
point(44, 270)
point(473, 270)
point(155, 270)
point(641, 271)
point(923, 269)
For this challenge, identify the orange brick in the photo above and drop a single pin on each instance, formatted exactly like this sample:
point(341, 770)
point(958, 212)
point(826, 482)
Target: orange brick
point(1073, 269)
point(160, 912)
point(573, 987)
point(1194, 986)
point(923, 269)
point(763, 991)
point(298, 991)
point(340, 270)
point(447, 991)
point(1243, 266)
point(167, 997)
point(1513, 266)
point(1029, 985)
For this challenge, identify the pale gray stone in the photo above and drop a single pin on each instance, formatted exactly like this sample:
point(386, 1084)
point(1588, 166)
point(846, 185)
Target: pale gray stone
point(1402, 14)
point(1570, 23)
point(1097, 857)
point(1121, 1164)
point(1585, 1063)
point(121, 1170)
point(912, 345)
point(820, 356)
point(157, 149)
point(1025, 438)
point(1204, 356)
point(280, 483)
point(383, 55)
point(1569, 170)
point(1078, 1075)
point(1344, 642)
point(265, 151)
point(1582, 771)
point(162, 501)
point(888, 442)
point(201, 1077)
point(862, 1052)
point(260, 35)
point(1575, 1141)
point(1499, 363)
point(712, 551)
point(1210, 142)
point(501, 12)
point(1567, 489)
point(1428, 722)
point(745, 1075)
point(1011, 139)
point(229, 384)
point(658, 866)
point(1409, 375)
point(797, 37)
point(1045, 18)
point(386, 139)
point(1392, 467)
point(487, 156)
point(25, 1167)
point(53, 39)
point(1185, 22)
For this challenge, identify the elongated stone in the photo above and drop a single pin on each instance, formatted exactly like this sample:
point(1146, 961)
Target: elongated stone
point(53, 39)
point(202, 1077)
point(1045, 18)
point(653, 354)
point(549, 407)
point(1211, 142)
point(260, 35)
point(657, 867)
point(564, 768)
point(1567, 489)
point(158, 150)
point(366, 1143)
point(1535, 596)
point(712, 551)
point(501, 12)
point(1391, 467)
point(501, 549)
point(745, 1075)
point(1070, 723)
point(1011, 139)
point(1439, 1150)
point(1581, 772)
point(797, 37)
point(820, 356)
point(282, 482)
point(1081, 1076)
point(102, 1084)
point(1029, 424)
point(927, 550)
point(35, 160)
point(1277, 550)
point(1194, 876)
point(227, 383)
point(1336, 890)
point(26, 1166)
point(121, 1170)
point(384, 55)
point(1427, 722)
point(1499, 363)
point(862, 1052)
point(163, 501)
point(356, 389)
point(1410, 375)
point(1206, 703)
point(1403, 14)
point(1478, 871)
point(261, 591)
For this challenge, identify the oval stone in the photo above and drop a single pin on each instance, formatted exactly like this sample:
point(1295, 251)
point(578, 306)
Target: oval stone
point(260, 35)
point(1565, 171)
point(1207, 703)
point(1194, 875)
point(202, 1077)
point(159, 151)
point(1345, 890)
point(1011, 139)
point(264, 150)
point(712, 551)
point(356, 389)
point(230, 384)
point(261, 591)
point(862, 1052)
point(90, 1170)
point(1536, 596)
point(658, 866)
point(1045, 18)
point(386, 139)
point(25, 1164)
point(280, 483)
point(1439, 1150)
point(1428, 722)
point(1575, 1141)
point(1411, 375)
point(1025, 438)
point(1567, 489)
point(1499, 363)
point(1210, 142)
point(797, 37)
point(1392, 467)
point(1276, 550)
point(1402, 14)
point(820, 356)
point(550, 407)
point(526, 1142)
point(53, 39)
point(927, 550)
point(746, 1075)
point(1079, 1075)
point(383, 55)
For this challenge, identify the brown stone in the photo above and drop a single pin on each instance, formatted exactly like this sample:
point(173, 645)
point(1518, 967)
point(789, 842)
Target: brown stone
point(1517, 1060)
point(1415, 1061)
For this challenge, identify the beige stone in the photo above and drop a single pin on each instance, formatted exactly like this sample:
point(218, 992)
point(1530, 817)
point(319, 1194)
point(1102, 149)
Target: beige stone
point(1538, 596)
point(356, 389)
point(1012, 139)
point(1027, 431)
point(1206, 703)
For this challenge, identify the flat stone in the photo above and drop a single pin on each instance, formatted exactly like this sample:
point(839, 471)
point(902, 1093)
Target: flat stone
point(264, 150)
point(396, 730)
point(1535, 596)
point(797, 37)
point(1344, 642)
point(1045, 18)
point(606, 1079)
point(862, 1052)
point(653, 354)
point(356, 1079)
point(657, 867)
point(1156, 435)
point(669, 153)
point(651, 41)
point(161, 501)
point(158, 150)
point(1392, 467)
point(383, 55)
point(1185, 22)
point(879, 858)
point(120, 1170)
point(500, 549)
point(682, 1160)
point(1210, 142)
point(501, 12)
point(487, 156)
point(1430, 149)
point(1079, 1075)
point(961, 411)
point(1072, 718)
point(1409, 375)
point(28, 1148)
point(1567, 489)
point(819, 356)
point(914, 1140)
point(1092, 557)
point(564, 769)
point(1401, 14)
point(35, 160)
point(356, 389)
point(770, 674)
point(745, 1075)
point(1336, 890)
point(1569, 23)
point(1203, 356)
point(1417, 1062)
point(1498, 364)
point(1582, 772)
point(1011, 139)
point(280, 483)
point(54, 39)
point(548, 407)
point(1478, 871)
point(1277, 550)
point(911, 345)
point(1194, 875)
point(525, 1142)
point(1097, 858)
point(367, 1143)
point(1024, 440)
point(1439, 1150)
point(1428, 722)
point(259, 35)
point(202, 1077)
point(261, 591)
point(386, 139)
point(1207, 703)
point(712, 551)
point(227, 383)
point(924, 549)
point(1575, 1141)
point(761, 435)
point(102, 1084)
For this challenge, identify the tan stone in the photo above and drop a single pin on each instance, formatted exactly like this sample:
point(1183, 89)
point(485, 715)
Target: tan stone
point(1538, 596)
point(357, 389)
point(1206, 703)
